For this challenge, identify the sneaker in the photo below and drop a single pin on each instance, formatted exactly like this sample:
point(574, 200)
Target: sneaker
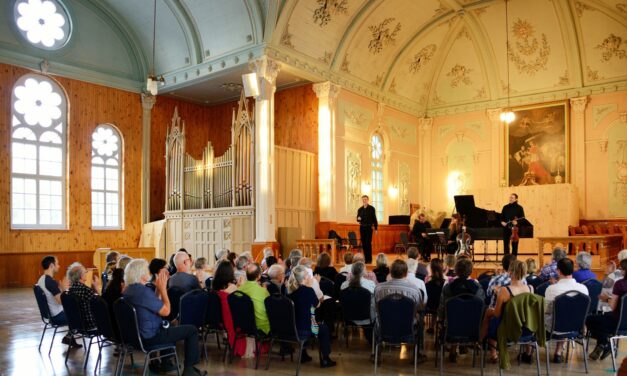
point(558, 359)
point(596, 353)
point(327, 363)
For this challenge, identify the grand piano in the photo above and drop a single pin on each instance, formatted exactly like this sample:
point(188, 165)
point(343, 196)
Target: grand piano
point(483, 224)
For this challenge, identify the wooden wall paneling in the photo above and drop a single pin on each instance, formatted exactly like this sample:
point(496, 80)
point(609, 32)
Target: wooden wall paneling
point(296, 118)
point(23, 269)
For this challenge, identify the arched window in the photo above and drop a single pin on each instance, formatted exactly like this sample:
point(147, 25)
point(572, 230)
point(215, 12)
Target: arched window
point(43, 23)
point(376, 156)
point(106, 178)
point(38, 154)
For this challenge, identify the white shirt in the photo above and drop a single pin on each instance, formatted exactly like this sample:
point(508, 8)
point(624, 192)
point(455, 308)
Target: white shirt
point(563, 285)
point(346, 268)
point(411, 277)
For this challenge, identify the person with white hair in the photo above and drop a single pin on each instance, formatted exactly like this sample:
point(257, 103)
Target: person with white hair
point(549, 271)
point(276, 273)
point(412, 265)
point(241, 263)
point(150, 309)
point(183, 278)
point(368, 274)
point(221, 255)
point(613, 275)
point(77, 276)
point(267, 252)
point(315, 283)
point(583, 272)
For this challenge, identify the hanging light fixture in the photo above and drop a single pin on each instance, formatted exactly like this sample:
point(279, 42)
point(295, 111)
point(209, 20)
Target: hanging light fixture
point(153, 81)
point(507, 116)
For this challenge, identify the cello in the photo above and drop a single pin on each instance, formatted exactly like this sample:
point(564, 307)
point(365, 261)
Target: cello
point(463, 240)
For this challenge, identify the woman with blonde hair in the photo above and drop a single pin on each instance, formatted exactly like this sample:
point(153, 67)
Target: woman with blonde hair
point(382, 270)
point(300, 291)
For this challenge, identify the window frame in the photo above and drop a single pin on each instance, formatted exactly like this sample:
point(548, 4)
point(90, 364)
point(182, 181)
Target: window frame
point(67, 14)
point(120, 192)
point(38, 177)
point(374, 171)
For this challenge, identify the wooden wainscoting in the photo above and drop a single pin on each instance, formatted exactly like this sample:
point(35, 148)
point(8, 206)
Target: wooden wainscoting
point(23, 269)
point(383, 241)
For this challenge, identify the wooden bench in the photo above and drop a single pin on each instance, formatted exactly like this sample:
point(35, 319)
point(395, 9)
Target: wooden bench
point(602, 247)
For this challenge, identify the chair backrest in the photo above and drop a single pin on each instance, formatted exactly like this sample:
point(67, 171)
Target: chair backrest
point(355, 303)
point(464, 317)
point(42, 303)
point(100, 310)
point(280, 310)
point(174, 295)
point(594, 290)
point(352, 238)
point(533, 280)
point(396, 315)
point(570, 310)
point(192, 308)
point(213, 313)
point(72, 309)
point(243, 313)
point(621, 327)
point(434, 292)
point(541, 289)
point(334, 235)
point(327, 286)
point(339, 279)
point(208, 283)
point(404, 238)
point(104, 277)
point(126, 317)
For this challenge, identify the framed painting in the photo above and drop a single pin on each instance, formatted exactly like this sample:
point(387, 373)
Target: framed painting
point(537, 145)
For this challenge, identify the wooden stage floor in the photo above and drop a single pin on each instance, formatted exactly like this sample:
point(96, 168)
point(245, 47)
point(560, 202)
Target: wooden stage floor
point(21, 327)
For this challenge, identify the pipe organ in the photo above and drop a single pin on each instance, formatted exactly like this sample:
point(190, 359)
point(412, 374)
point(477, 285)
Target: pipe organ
point(210, 202)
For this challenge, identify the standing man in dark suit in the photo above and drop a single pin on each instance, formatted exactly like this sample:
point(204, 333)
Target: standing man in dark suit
point(509, 215)
point(367, 217)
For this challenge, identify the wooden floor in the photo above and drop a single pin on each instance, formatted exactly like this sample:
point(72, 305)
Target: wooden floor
point(20, 330)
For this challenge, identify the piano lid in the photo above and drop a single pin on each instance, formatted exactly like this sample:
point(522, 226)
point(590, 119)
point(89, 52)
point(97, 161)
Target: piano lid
point(476, 217)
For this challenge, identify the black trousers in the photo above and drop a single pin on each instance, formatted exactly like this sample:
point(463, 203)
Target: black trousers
point(601, 327)
point(365, 232)
point(507, 233)
point(173, 334)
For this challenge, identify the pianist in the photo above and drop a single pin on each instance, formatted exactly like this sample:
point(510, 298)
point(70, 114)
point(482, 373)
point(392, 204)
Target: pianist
point(511, 212)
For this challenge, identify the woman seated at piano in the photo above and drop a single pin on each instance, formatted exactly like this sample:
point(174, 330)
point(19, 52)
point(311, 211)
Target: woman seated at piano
point(454, 229)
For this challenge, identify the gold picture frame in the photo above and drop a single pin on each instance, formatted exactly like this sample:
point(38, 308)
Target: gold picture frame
point(537, 145)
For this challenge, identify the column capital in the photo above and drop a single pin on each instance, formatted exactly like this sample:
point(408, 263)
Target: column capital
point(579, 104)
point(265, 68)
point(425, 124)
point(494, 114)
point(327, 89)
point(148, 101)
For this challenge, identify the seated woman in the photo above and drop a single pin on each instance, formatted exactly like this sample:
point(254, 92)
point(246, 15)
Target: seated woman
point(517, 271)
point(305, 303)
point(583, 272)
point(382, 270)
point(155, 266)
point(113, 292)
point(356, 280)
point(602, 326)
point(224, 283)
point(324, 267)
point(434, 289)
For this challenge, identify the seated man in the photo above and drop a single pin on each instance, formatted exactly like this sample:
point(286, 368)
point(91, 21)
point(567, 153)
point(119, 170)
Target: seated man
point(257, 294)
point(276, 285)
point(419, 233)
point(77, 275)
point(183, 278)
point(52, 290)
point(549, 271)
point(150, 307)
point(412, 266)
point(565, 283)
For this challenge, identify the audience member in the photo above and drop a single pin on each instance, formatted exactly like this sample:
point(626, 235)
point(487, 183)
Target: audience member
point(231, 257)
point(111, 261)
point(421, 269)
point(276, 273)
point(357, 280)
point(549, 271)
point(315, 283)
point(267, 252)
point(53, 290)
point(324, 267)
point(224, 284)
point(583, 272)
point(565, 283)
point(171, 265)
point(434, 289)
point(382, 270)
point(240, 268)
point(611, 276)
point(449, 262)
point(150, 307)
point(201, 271)
point(257, 294)
point(369, 275)
point(503, 279)
point(412, 264)
point(77, 275)
point(300, 291)
point(221, 255)
point(123, 260)
point(183, 278)
point(348, 260)
point(113, 292)
point(155, 266)
point(602, 326)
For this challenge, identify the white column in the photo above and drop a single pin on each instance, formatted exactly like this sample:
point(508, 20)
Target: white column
point(578, 149)
point(265, 223)
point(498, 157)
point(148, 101)
point(426, 127)
point(327, 93)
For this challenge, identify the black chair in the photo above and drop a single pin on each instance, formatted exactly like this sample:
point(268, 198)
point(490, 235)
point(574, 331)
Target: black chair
point(355, 303)
point(404, 243)
point(621, 330)
point(174, 295)
point(434, 292)
point(76, 324)
point(280, 310)
point(126, 317)
point(208, 283)
point(108, 335)
point(213, 317)
point(339, 241)
point(192, 311)
point(337, 284)
point(533, 280)
point(44, 311)
point(104, 277)
point(594, 290)
point(395, 325)
point(243, 314)
point(327, 286)
point(353, 242)
point(463, 320)
point(541, 289)
point(570, 310)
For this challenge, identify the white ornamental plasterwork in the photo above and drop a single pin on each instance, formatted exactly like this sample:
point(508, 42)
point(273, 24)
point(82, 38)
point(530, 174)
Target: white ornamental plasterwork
point(382, 36)
point(403, 132)
point(286, 38)
point(477, 127)
point(528, 54)
point(459, 74)
point(611, 47)
point(602, 110)
point(404, 181)
point(355, 116)
point(327, 9)
point(422, 58)
point(227, 235)
point(353, 182)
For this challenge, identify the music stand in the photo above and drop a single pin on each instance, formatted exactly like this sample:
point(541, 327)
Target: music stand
point(439, 241)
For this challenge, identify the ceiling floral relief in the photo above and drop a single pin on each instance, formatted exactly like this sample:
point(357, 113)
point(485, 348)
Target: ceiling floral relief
point(528, 54)
point(383, 35)
point(459, 74)
point(611, 47)
point(327, 9)
point(422, 58)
